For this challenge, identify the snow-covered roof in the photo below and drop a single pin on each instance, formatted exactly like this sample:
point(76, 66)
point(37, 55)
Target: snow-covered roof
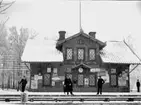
point(118, 52)
point(41, 50)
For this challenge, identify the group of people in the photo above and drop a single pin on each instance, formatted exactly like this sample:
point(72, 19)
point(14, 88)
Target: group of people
point(68, 85)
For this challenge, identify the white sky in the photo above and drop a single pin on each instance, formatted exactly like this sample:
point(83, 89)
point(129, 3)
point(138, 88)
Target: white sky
point(112, 20)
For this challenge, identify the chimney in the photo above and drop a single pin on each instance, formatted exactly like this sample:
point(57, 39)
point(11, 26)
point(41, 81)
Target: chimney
point(92, 34)
point(61, 35)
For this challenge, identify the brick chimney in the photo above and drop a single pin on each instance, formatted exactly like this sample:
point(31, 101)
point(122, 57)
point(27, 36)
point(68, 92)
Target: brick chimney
point(61, 35)
point(92, 34)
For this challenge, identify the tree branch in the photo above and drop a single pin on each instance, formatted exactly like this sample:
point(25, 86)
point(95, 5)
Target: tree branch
point(8, 6)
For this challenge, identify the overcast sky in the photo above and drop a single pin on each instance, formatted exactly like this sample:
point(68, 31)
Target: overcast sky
point(112, 20)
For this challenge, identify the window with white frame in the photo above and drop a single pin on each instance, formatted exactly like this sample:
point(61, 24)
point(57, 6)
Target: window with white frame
point(69, 53)
point(80, 54)
point(91, 54)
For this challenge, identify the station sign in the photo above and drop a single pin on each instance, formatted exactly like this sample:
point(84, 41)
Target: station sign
point(95, 70)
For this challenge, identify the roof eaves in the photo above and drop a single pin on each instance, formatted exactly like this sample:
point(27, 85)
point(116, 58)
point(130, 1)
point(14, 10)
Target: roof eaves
point(121, 62)
point(62, 41)
point(94, 39)
point(132, 50)
point(80, 65)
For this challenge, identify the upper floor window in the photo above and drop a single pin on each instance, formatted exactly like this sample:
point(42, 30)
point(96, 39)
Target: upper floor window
point(80, 53)
point(91, 54)
point(69, 53)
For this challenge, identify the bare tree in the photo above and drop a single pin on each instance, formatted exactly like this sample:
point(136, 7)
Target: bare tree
point(5, 5)
point(129, 41)
point(17, 41)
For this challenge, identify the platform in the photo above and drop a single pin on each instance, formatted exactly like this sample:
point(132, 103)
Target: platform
point(85, 98)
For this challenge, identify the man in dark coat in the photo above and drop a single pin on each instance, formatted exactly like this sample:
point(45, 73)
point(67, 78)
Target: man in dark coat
point(99, 84)
point(23, 82)
point(68, 86)
point(138, 85)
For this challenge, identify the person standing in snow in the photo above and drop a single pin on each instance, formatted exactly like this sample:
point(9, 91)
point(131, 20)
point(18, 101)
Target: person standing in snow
point(99, 84)
point(23, 83)
point(138, 85)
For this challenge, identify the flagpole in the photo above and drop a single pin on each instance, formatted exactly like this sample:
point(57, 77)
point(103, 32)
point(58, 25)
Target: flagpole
point(80, 26)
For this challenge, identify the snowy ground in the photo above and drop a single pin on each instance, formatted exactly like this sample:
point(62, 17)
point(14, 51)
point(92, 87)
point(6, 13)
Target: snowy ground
point(13, 91)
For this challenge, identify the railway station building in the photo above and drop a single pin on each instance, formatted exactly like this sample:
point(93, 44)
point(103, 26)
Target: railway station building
point(81, 56)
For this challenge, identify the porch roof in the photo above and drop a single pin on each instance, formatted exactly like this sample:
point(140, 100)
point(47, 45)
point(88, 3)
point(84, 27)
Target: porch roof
point(81, 64)
point(41, 50)
point(118, 52)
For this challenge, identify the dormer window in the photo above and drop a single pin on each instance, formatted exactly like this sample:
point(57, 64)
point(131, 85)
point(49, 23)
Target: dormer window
point(91, 54)
point(69, 53)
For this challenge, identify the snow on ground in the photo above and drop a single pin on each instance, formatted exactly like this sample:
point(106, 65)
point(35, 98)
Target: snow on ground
point(13, 91)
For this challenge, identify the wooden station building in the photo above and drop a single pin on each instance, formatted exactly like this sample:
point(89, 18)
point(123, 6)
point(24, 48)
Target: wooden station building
point(83, 58)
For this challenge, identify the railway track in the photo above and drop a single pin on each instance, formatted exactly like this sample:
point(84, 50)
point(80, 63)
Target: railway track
point(57, 98)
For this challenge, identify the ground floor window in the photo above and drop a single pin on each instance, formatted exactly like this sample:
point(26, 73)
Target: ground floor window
point(113, 80)
point(92, 80)
point(113, 77)
point(82, 79)
point(47, 79)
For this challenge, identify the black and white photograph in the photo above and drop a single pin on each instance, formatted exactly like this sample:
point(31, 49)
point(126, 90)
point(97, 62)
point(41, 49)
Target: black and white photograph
point(70, 52)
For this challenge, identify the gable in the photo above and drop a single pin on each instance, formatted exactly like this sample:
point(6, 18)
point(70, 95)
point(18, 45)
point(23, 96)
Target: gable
point(82, 36)
point(80, 41)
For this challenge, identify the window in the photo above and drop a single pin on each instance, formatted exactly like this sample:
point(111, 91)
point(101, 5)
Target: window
point(80, 54)
point(69, 54)
point(113, 77)
point(113, 80)
point(80, 41)
point(47, 79)
point(92, 80)
point(80, 79)
point(91, 54)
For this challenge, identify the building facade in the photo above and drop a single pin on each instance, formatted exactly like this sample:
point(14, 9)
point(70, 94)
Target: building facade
point(83, 58)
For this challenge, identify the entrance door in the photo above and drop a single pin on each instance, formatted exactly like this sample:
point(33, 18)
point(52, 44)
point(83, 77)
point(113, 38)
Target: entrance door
point(82, 77)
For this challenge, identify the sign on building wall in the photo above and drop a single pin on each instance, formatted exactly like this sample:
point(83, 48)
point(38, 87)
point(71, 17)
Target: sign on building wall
point(34, 84)
point(122, 79)
point(53, 83)
point(106, 77)
point(86, 81)
point(102, 73)
point(95, 70)
point(55, 70)
point(35, 77)
point(40, 77)
point(48, 70)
